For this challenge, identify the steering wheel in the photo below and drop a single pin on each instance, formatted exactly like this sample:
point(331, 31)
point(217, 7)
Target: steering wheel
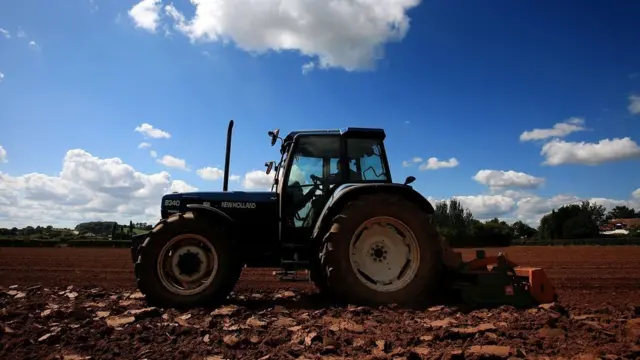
point(317, 181)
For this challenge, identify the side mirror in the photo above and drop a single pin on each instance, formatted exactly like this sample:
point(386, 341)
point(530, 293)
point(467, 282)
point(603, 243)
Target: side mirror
point(269, 165)
point(274, 136)
point(409, 180)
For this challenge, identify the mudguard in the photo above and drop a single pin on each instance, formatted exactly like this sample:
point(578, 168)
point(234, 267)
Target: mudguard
point(137, 240)
point(346, 192)
point(218, 212)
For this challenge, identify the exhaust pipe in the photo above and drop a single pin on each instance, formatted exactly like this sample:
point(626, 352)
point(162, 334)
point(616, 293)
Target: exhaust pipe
point(225, 184)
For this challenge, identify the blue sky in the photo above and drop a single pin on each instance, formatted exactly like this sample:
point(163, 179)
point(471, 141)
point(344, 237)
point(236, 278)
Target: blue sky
point(449, 79)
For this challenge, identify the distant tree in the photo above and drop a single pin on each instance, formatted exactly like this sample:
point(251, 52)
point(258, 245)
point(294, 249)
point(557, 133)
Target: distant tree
point(454, 222)
point(572, 221)
point(522, 230)
point(621, 212)
point(492, 233)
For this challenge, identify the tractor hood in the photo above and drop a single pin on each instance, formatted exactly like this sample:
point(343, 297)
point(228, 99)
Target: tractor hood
point(223, 200)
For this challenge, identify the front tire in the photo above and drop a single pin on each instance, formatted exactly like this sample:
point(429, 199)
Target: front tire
point(187, 261)
point(382, 249)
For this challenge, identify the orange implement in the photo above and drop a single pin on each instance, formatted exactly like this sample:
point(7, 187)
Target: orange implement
point(540, 287)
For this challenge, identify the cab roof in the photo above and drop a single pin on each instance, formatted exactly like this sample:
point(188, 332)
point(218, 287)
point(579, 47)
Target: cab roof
point(352, 132)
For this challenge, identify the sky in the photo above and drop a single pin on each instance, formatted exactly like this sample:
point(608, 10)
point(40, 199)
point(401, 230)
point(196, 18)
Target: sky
point(512, 107)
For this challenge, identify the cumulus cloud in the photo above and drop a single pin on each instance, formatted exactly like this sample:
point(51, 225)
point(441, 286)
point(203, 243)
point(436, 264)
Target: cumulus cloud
point(153, 153)
point(5, 33)
point(415, 160)
point(1, 76)
point(634, 104)
point(144, 145)
point(308, 67)
point(435, 164)
point(3, 155)
point(151, 132)
point(173, 162)
point(146, 14)
point(504, 179)
point(558, 152)
point(258, 180)
point(87, 188)
point(341, 33)
point(558, 130)
point(210, 173)
point(487, 206)
point(34, 46)
point(529, 208)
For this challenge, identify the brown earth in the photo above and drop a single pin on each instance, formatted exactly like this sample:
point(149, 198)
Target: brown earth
point(598, 314)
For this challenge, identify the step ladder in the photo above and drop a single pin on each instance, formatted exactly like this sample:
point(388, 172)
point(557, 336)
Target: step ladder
point(293, 269)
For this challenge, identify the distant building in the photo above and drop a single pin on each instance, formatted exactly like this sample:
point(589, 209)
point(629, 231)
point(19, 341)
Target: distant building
point(619, 226)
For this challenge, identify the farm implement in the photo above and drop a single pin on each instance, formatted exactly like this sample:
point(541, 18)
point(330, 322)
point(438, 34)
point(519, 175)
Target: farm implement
point(334, 211)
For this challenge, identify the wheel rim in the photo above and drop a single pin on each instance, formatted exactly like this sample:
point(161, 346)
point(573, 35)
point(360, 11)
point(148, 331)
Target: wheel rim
point(384, 254)
point(187, 264)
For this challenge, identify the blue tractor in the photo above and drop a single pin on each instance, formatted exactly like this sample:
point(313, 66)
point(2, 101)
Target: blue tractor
point(334, 210)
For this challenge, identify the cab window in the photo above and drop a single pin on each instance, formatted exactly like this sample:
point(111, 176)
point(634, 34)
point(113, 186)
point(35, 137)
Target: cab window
point(366, 159)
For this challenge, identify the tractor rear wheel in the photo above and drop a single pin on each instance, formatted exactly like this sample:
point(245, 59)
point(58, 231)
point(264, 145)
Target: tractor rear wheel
point(187, 261)
point(382, 249)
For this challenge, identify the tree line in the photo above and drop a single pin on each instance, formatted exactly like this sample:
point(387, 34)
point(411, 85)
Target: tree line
point(99, 229)
point(575, 221)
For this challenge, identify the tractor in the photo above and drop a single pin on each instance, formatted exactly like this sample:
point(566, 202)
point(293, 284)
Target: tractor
point(334, 211)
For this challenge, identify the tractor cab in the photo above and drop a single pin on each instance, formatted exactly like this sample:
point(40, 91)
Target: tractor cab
point(313, 166)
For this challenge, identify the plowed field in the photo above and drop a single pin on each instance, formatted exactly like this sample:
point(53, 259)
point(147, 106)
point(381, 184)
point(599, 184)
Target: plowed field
point(79, 303)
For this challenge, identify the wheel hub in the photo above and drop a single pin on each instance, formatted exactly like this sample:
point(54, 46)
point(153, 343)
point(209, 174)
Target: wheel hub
point(189, 263)
point(384, 254)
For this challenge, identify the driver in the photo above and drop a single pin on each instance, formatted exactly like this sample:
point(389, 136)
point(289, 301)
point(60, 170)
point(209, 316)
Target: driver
point(335, 177)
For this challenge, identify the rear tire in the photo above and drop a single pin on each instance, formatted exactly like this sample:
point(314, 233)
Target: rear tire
point(386, 238)
point(183, 250)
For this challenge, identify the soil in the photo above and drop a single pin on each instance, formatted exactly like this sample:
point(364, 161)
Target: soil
point(70, 303)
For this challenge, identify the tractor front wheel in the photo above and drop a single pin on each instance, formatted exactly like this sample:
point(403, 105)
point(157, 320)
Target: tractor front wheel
point(382, 249)
point(187, 261)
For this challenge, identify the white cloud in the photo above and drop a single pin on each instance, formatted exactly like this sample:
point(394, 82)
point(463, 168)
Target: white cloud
point(435, 164)
point(87, 188)
point(258, 180)
point(149, 131)
point(181, 186)
point(3, 155)
point(144, 145)
point(213, 174)
point(558, 130)
point(487, 206)
point(34, 46)
point(529, 208)
point(153, 153)
point(1, 76)
point(93, 7)
point(173, 162)
point(634, 104)
point(146, 14)
point(210, 173)
point(21, 33)
point(340, 33)
point(308, 67)
point(504, 179)
point(415, 160)
point(5, 33)
point(558, 152)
